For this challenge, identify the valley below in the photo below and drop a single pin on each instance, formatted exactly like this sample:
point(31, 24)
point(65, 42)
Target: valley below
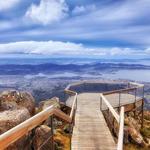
point(49, 79)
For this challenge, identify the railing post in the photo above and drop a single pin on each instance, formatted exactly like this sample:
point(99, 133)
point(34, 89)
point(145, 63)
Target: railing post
point(121, 130)
point(135, 94)
point(142, 109)
point(101, 101)
point(128, 86)
point(143, 92)
point(142, 113)
point(119, 100)
point(76, 103)
point(52, 132)
point(70, 134)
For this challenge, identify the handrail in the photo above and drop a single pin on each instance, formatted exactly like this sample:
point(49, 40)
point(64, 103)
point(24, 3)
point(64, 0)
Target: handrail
point(110, 108)
point(118, 91)
point(119, 119)
point(73, 105)
point(121, 130)
point(18, 131)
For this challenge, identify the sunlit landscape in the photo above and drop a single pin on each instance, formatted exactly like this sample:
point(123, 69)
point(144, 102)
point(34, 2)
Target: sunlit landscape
point(75, 75)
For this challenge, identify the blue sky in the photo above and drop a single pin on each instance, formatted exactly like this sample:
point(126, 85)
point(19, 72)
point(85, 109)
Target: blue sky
point(96, 28)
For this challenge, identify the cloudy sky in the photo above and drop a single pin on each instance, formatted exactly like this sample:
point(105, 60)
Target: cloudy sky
point(102, 28)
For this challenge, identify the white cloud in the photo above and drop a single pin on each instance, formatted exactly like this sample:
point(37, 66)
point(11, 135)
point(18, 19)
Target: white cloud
point(43, 47)
point(83, 9)
point(66, 48)
point(7, 4)
point(148, 51)
point(48, 11)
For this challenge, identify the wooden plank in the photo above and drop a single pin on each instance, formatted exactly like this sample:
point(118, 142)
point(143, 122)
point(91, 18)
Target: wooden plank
point(121, 130)
point(90, 126)
point(70, 92)
point(73, 106)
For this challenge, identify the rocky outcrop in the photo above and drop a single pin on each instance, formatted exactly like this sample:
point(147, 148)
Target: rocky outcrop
point(23, 143)
point(41, 136)
point(11, 118)
point(136, 136)
point(132, 131)
point(49, 102)
point(15, 108)
point(11, 100)
point(131, 122)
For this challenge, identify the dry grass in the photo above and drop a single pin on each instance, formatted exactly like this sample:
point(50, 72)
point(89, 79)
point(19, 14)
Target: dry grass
point(62, 139)
point(134, 147)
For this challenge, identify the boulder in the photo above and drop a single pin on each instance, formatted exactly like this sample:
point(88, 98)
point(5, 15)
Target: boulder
point(10, 100)
point(23, 143)
point(131, 122)
point(147, 115)
point(132, 130)
point(41, 137)
point(66, 109)
point(136, 137)
point(49, 102)
point(10, 119)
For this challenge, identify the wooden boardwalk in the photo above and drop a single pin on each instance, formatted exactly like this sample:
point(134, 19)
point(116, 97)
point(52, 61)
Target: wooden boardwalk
point(91, 131)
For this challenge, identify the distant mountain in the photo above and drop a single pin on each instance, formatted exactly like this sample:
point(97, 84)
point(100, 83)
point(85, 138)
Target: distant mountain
point(50, 68)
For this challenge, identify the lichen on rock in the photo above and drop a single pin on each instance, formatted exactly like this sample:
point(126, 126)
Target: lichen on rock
point(11, 100)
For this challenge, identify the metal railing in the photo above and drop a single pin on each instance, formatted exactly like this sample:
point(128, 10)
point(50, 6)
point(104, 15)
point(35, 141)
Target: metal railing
point(120, 117)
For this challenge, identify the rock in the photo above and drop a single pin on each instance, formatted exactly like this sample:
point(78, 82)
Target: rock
point(42, 133)
point(10, 100)
point(131, 122)
point(66, 109)
point(133, 131)
point(136, 137)
point(126, 135)
point(47, 103)
point(22, 144)
point(10, 119)
point(145, 131)
point(116, 128)
point(147, 115)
